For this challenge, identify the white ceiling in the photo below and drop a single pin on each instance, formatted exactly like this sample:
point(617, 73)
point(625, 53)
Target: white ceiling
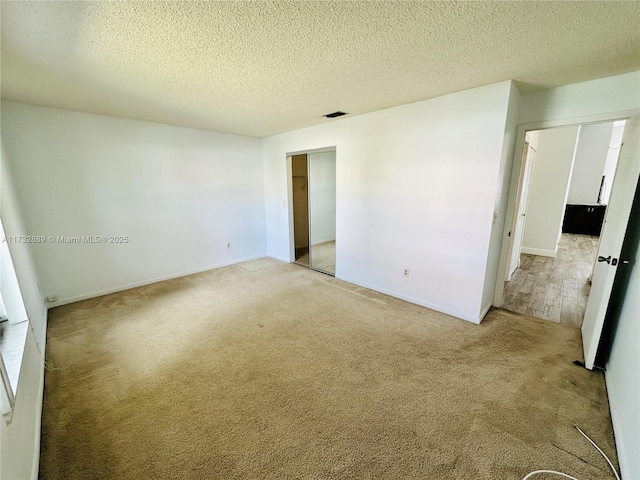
point(260, 68)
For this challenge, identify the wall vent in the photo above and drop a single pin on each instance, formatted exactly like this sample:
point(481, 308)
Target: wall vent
point(335, 114)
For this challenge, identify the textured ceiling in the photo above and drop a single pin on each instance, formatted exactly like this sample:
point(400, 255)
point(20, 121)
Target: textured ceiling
point(259, 68)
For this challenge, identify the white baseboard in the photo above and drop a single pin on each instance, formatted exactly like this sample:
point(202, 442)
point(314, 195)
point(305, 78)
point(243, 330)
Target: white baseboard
point(539, 251)
point(417, 301)
point(616, 421)
point(318, 242)
point(35, 466)
point(276, 257)
point(99, 293)
point(484, 312)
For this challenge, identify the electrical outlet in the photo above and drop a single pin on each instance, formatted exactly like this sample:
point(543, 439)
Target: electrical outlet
point(406, 272)
point(228, 245)
point(52, 298)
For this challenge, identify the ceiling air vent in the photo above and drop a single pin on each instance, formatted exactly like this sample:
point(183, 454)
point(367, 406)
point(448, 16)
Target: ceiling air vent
point(335, 114)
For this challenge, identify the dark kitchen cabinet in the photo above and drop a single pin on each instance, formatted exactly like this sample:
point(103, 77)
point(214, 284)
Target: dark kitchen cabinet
point(583, 219)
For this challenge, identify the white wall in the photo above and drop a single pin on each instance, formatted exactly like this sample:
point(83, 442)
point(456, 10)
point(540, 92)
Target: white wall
point(611, 161)
point(548, 193)
point(322, 196)
point(20, 440)
point(595, 97)
point(588, 168)
point(623, 379)
point(416, 188)
point(502, 197)
point(180, 195)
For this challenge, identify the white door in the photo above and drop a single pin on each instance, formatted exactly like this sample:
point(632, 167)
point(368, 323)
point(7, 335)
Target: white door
point(518, 231)
point(611, 238)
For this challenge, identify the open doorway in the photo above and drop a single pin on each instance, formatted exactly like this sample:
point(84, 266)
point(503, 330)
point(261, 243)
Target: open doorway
point(313, 209)
point(300, 205)
point(563, 192)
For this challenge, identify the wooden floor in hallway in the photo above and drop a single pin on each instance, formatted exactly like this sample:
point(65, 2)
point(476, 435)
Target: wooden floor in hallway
point(557, 288)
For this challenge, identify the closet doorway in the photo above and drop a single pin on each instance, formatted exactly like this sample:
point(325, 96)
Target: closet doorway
point(313, 209)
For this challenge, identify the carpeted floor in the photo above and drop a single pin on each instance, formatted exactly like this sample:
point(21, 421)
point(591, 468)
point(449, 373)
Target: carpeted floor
point(323, 256)
point(266, 370)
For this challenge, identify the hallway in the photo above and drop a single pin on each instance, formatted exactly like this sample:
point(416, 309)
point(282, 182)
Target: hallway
point(557, 288)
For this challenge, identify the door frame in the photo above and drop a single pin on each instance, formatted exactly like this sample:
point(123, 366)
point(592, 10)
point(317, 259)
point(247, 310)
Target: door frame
point(519, 198)
point(516, 171)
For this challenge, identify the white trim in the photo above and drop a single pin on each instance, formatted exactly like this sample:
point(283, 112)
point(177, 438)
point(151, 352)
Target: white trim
point(99, 293)
point(323, 241)
point(619, 438)
point(539, 251)
point(313, 150)
point(280, 259)
point(35, 467)
point(417, 301)
point(484, 312)
point(579, 121)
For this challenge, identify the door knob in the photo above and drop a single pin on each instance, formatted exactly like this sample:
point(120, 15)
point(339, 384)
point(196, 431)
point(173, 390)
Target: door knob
point(603, 259)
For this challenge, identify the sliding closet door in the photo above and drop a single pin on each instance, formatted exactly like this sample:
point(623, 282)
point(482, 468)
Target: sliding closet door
point(300, 185)
point(322, 210)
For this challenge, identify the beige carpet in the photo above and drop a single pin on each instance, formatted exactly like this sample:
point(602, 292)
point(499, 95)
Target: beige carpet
point(266, 370)
point(323, 256)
